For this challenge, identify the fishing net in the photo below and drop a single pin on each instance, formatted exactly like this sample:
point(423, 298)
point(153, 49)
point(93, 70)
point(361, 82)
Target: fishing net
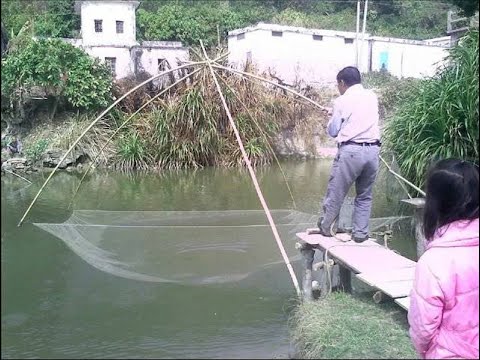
point(187, 247)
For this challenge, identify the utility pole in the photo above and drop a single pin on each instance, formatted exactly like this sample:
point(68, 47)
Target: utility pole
point(365, 10)
point(357, 30)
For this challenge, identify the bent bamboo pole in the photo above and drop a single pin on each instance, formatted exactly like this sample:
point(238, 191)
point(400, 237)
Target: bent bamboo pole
point(93, 123)
point(254, 178)
point(238, 72)
point(402, 178)
point(129, 118)
point(21, 177)
point(123, 125)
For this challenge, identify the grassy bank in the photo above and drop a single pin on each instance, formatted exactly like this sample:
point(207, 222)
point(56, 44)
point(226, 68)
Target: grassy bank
point(185, 128)
point(344, 326)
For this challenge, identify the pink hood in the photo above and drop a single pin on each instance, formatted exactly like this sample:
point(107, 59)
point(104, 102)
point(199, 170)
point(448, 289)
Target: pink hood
point(444, 304)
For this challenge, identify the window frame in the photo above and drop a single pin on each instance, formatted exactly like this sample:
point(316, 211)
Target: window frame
point(122, 26)
point(98, 25)
point(111, 63)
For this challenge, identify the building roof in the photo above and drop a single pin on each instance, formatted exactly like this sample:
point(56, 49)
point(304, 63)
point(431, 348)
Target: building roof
point(334, 33)
point(78, 3)
point(162, 43)
point(294, 29)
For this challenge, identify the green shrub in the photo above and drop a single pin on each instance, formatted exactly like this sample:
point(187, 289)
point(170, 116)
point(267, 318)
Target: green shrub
point(439, 117)
point(58, 69)
point(35, 151)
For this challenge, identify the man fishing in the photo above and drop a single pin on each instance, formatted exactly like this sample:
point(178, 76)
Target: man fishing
point(354, 125)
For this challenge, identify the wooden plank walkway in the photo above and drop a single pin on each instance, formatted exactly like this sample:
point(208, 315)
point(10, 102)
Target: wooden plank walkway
point(403, 302)
point(372, 263)
point(395, 283)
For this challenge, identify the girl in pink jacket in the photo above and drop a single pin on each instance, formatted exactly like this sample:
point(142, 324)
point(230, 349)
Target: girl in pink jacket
point(443, 314)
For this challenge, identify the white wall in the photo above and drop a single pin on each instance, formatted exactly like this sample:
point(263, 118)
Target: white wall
point(120, 46)
point(407, 59)
point(124, 64)
point(297, 54)
point(150, 56)
point(109, 12)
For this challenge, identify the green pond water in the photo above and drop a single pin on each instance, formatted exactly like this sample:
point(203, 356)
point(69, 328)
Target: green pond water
point(57, 305)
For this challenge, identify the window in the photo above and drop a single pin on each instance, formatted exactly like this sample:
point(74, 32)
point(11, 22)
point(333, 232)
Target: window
point(98, 25)
point(277, 33)
point(111, 63)
point(348, 41)
point(162, 65)
point(249, 57)
point(317, 37)
point(241, 36)
point(119, 27)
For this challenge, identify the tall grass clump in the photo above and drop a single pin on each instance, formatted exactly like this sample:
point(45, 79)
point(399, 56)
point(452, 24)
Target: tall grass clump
point(188, 127)
point(343, 326)
point(439, 117)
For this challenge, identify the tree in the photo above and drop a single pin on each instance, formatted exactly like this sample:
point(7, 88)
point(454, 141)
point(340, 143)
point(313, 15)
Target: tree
point(467, 6)
point(4, 40)
point(57, 70)
point(52, 18)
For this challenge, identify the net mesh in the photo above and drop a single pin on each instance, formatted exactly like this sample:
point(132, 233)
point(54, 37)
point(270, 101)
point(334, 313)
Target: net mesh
point(188, 247)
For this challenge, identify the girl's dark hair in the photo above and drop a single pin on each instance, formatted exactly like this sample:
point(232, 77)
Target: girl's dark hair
point(350, 76)
point(451, 194)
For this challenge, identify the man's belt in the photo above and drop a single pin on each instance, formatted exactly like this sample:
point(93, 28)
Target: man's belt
point(350, 142)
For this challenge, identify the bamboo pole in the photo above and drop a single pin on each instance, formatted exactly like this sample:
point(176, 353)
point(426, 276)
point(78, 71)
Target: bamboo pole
point(402, 178)
point(239, 72)
point(254, 178)
point(399, 181)
point(21, 177)
point(221, 56)
point(93, 123)
point(121, 127)
point(265, 137)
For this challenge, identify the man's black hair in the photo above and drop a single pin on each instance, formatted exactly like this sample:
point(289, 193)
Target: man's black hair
point(350, 76)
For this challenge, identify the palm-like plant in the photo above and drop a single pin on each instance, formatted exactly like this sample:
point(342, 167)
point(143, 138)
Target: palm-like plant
point(439, 117)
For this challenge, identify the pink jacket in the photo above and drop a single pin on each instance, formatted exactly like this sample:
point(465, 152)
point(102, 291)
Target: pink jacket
point(443, 314)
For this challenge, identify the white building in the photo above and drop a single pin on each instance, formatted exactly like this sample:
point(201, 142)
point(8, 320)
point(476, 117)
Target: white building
point(316, 56)
point(108, 31)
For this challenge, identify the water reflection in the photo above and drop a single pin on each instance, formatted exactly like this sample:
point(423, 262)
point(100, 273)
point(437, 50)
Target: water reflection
point(54, 304)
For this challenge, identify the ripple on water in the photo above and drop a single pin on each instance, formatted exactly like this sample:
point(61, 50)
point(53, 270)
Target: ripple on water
point(14, 320)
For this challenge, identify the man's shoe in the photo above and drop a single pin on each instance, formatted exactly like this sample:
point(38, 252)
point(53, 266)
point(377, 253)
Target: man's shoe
point(359, 239)
point(321, 229)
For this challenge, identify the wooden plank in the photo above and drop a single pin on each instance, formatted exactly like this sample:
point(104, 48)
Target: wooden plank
point(403, 302)
point(400, 274)
point(396, 289)
point(359, 257)
point(323, 241)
